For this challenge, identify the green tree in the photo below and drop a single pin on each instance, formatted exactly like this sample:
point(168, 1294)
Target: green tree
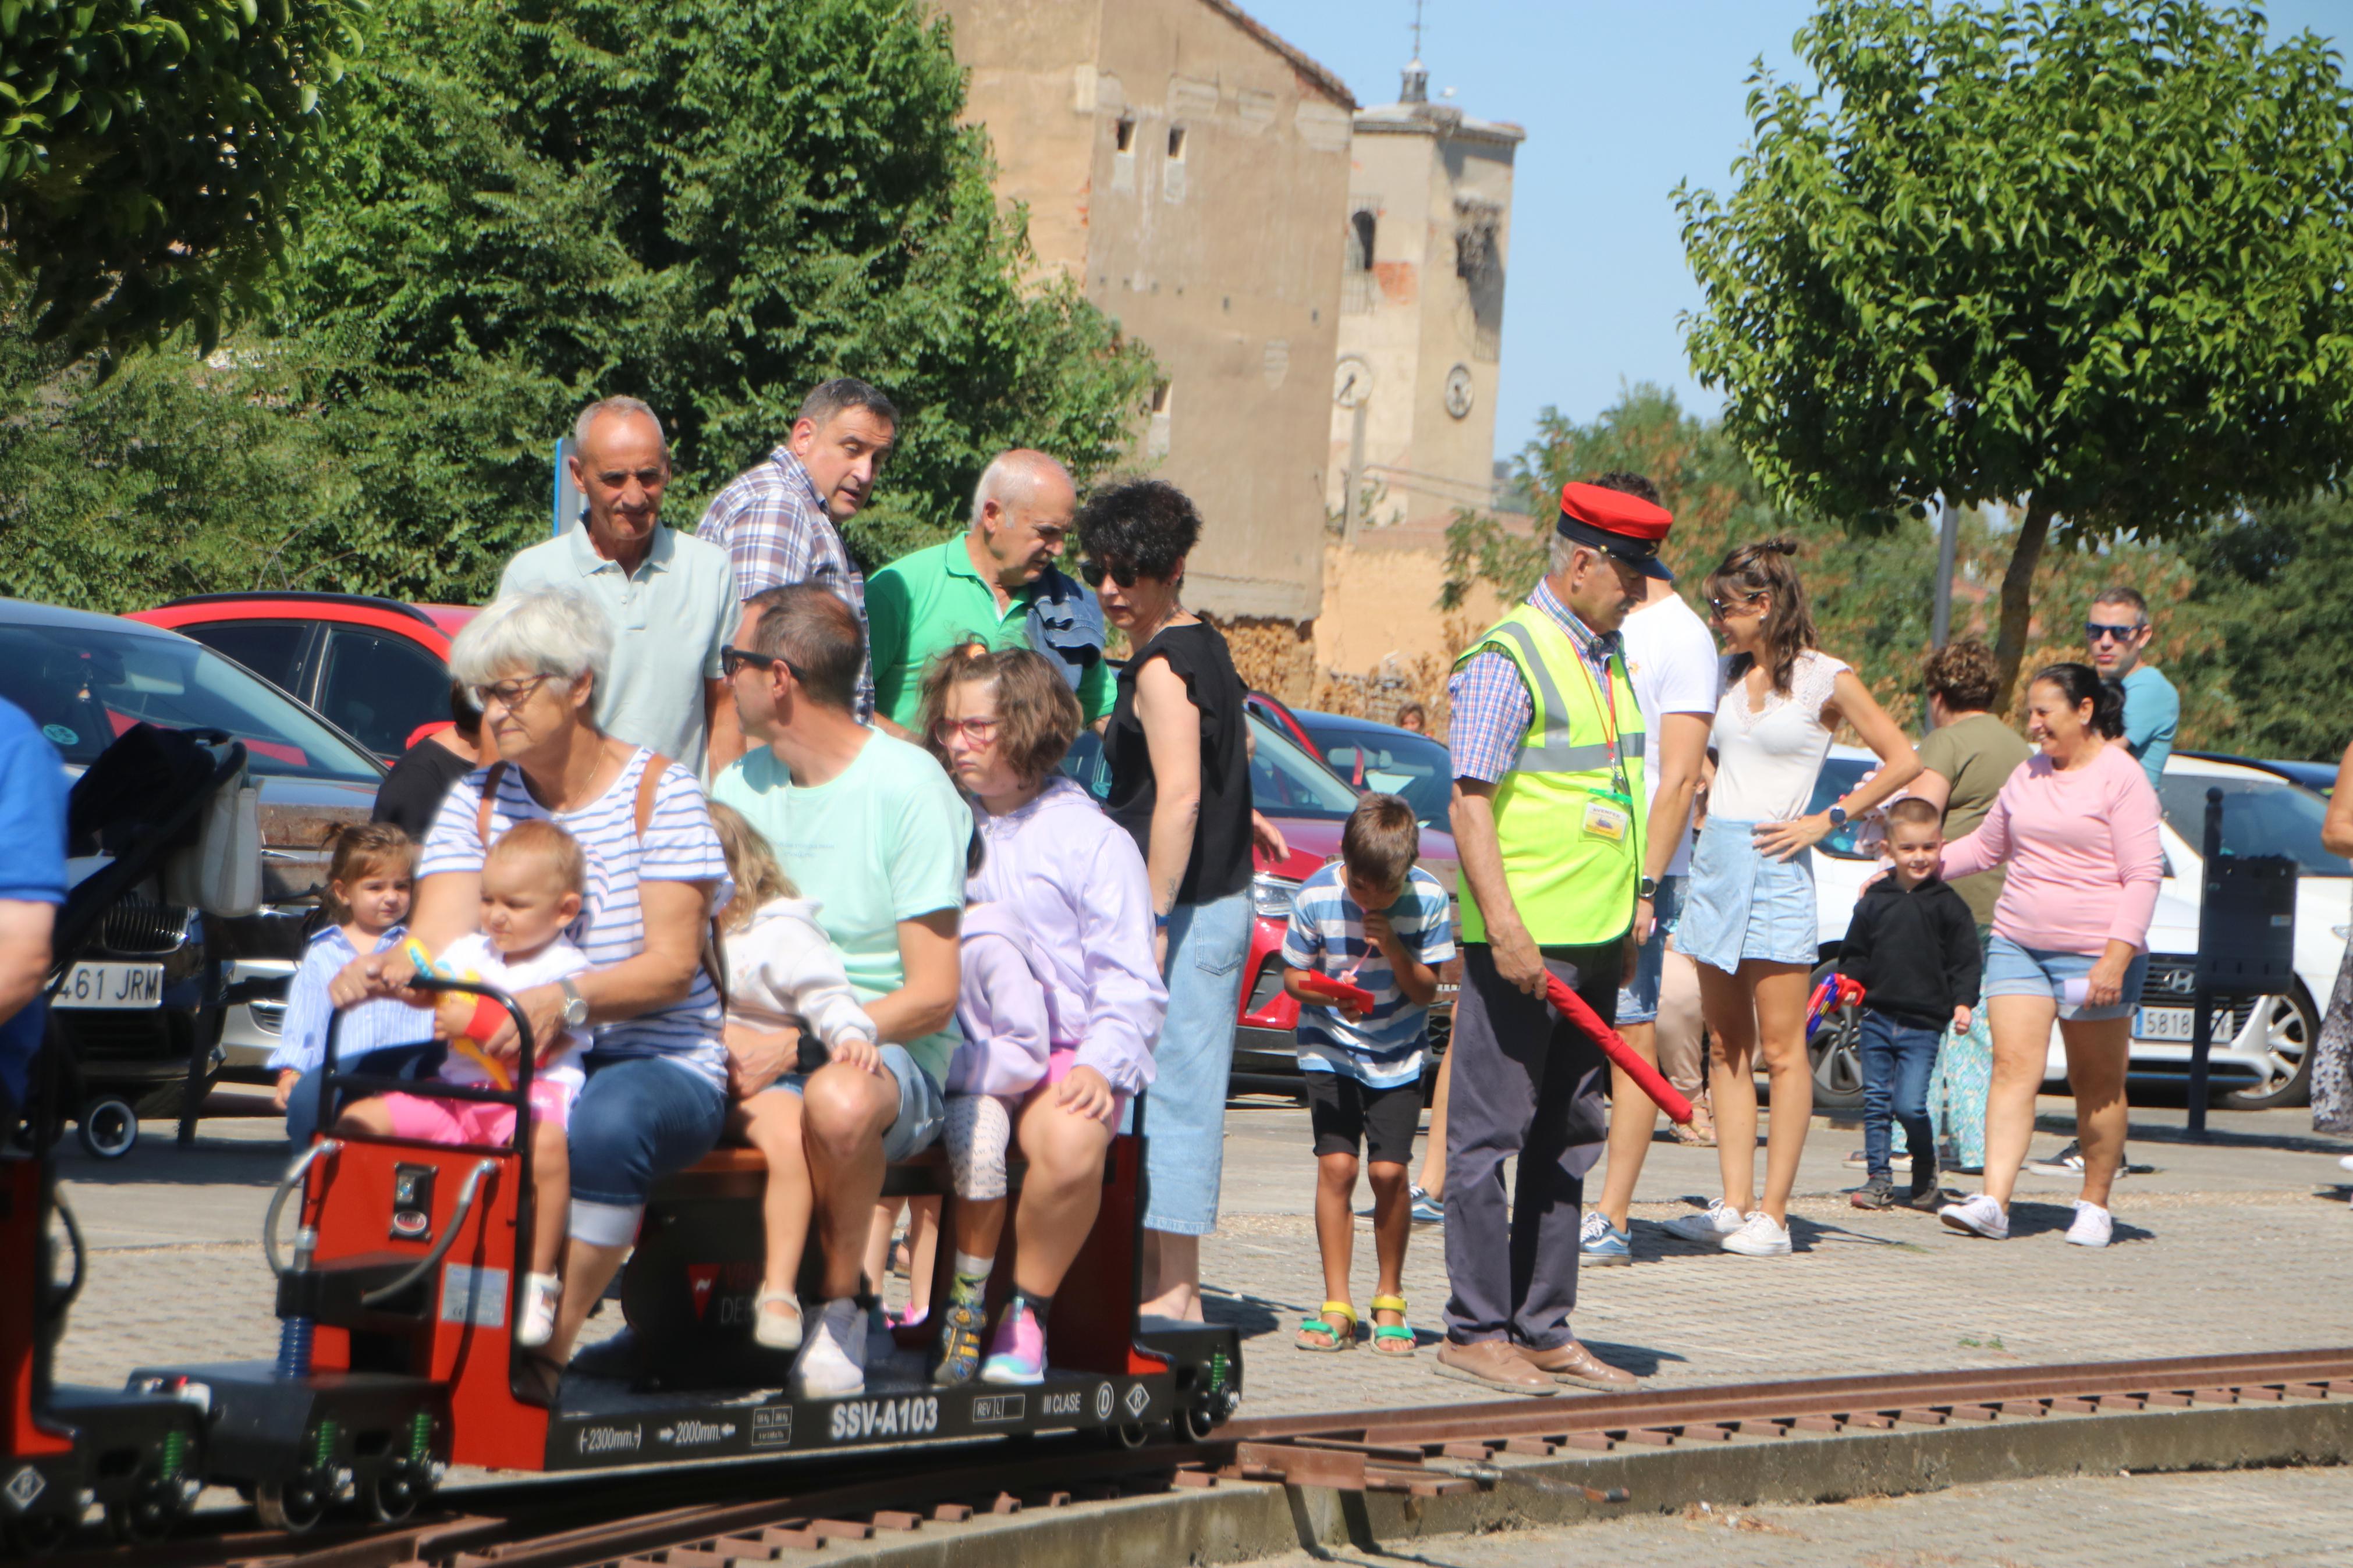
point(150, 151)
point(711, 209)
point(2083, 258)
point(2269, 591)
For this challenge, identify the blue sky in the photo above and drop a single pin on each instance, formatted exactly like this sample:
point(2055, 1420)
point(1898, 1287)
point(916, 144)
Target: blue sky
point(1621, 100)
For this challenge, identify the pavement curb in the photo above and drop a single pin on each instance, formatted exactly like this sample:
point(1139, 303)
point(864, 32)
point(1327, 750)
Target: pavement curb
point(1236, 1521)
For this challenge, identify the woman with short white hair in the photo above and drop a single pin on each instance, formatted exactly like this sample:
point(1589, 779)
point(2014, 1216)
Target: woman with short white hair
point(656, 1091)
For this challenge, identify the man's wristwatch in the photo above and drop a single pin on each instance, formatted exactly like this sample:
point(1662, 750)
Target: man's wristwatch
point(1647, 888)
point(576, 1006)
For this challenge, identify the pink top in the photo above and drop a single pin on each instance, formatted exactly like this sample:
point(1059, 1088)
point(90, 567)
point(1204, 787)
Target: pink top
point(2085, 858)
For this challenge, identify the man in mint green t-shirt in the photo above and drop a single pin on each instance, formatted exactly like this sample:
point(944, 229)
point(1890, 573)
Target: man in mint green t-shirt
point(871, 828)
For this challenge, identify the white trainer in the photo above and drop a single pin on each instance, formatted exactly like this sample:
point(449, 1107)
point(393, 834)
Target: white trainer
point(541, 1292)
point(832, 1363)
point(2094, 1226)
point(2346, 1161)
point(1708, 1229)
point(1759, 1236)
point(1979, 1215)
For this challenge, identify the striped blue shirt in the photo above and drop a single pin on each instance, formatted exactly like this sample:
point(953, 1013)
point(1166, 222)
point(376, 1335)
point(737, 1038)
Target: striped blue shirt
point(680, 846)
point(370, 1027)
point(1383, 1049)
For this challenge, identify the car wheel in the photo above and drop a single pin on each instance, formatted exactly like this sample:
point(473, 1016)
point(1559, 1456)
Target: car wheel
point(2292, 1027)
point(107, 1128)
point(1836, 1055)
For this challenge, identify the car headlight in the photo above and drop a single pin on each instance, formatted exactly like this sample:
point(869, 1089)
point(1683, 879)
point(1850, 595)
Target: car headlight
point(1271, 896)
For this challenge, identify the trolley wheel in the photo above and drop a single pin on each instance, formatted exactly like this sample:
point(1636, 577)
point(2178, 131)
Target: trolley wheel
point(108, 1127)
point(1196, 1423)
point(38, 1536)
point(291, 1506)
point(1129, 1435)
point(145, 1516)
point(394, 1494)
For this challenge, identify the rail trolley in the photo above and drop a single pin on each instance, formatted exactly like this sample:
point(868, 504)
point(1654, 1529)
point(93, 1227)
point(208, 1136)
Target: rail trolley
point(395, 1358)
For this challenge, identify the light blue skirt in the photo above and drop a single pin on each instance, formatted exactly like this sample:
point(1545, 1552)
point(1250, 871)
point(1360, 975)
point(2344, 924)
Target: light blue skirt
point(1741, 905)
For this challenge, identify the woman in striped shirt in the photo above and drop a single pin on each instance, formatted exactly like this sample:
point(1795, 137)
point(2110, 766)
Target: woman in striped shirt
point(657, 1092)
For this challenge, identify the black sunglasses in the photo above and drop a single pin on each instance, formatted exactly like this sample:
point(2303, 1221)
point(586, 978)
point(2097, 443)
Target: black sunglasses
point(1121, 573)
point(733, 658)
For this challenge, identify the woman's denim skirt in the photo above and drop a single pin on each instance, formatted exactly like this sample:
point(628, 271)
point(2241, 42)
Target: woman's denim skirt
point(1743, 905)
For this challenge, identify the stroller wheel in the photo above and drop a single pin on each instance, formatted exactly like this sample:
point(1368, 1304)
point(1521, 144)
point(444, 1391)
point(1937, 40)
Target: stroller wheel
point(108, 1128)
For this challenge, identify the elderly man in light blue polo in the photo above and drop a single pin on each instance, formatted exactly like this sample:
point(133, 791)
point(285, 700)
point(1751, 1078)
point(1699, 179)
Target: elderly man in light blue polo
point(670, 597)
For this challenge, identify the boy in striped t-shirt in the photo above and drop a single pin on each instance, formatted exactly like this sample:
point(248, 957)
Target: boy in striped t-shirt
point(1379, 923)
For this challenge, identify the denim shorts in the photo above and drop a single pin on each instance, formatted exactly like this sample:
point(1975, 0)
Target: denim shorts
point(638, 1117)
point(923, 1110)
point(1638, 999)
point(2012, 970)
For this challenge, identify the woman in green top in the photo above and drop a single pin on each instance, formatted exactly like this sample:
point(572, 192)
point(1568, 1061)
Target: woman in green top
point(1963, 764)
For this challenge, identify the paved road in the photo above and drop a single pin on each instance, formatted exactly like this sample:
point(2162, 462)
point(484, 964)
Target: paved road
point(2276, 1518)
point(2244, 1244)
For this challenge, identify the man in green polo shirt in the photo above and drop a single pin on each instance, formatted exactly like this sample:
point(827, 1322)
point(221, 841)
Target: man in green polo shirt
point(996, 582)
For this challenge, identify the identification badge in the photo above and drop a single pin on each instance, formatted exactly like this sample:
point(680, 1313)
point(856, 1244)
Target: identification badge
point(1606, 821)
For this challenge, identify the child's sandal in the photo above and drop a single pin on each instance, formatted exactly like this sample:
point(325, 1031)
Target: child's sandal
point(1392, 1339)
point(775, 1330)
point(1343, 1335)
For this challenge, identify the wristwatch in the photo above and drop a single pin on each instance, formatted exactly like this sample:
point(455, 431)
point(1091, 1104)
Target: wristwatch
point(1837, 813)
point(1647, 888)
point(576, 1006)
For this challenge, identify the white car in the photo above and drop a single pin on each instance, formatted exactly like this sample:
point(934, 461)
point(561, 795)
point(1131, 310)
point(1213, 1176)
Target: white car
point(2263, 1045)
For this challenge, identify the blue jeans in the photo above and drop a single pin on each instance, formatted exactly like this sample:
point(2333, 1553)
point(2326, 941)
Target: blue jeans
point(415, 1062)
point(1897, 1058)
point(1638, 998)
point(638, 1117)
point(1185, 1130)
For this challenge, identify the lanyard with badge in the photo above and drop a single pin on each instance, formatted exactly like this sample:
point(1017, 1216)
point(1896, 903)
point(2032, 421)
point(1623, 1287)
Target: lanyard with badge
point(1607, 815)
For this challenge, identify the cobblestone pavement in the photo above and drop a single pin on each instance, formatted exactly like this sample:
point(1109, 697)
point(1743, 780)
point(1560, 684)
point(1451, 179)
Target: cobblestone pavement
point(2242, 1517)
point(2241, 1245)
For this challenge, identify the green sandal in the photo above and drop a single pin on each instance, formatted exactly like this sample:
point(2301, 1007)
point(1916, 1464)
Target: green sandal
point(1392, 1339)
point(1343, 1339)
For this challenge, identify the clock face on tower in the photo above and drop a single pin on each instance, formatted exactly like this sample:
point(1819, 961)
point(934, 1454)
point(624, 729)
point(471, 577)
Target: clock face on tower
point(1458, 390)
point(1352, 381)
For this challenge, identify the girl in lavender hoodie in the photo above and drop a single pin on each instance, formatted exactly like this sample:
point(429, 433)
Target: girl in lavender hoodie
point(1061, 1000)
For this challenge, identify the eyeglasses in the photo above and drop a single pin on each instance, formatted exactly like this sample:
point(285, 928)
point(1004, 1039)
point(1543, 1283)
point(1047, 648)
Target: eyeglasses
point(978, 732)
point(1723, 607)
point(508, 694)
point(2094, 632)
point(1121, 573)
point(733, 658)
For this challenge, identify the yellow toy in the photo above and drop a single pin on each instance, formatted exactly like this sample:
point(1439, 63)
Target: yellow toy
point(487, 1015)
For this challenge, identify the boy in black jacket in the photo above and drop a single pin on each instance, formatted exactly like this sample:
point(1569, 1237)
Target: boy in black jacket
point(1913, 947)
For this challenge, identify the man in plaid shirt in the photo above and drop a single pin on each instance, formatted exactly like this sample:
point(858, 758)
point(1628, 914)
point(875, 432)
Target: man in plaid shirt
point(781, 520)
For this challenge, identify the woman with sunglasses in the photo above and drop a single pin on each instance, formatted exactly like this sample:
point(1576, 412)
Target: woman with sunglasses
point(1749, 918)
point(657, 1090)
point(1070, 881)
point(1179, 750)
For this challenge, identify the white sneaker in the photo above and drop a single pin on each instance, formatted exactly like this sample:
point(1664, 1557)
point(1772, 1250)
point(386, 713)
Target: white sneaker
point(1709, 1228)
point(541, 1292)
point(1978, 1215)
point(775, 1330)
point(2346, 1161)
point(832, 1363)
point(2094, 1226)
point(1759, 1236)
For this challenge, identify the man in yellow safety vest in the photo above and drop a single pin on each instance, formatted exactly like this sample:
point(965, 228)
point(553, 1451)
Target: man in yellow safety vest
point(1548, 744)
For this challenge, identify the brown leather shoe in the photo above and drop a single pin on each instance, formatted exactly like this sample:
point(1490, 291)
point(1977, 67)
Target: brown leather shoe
point(1572, 1362)
point(1493, 1363)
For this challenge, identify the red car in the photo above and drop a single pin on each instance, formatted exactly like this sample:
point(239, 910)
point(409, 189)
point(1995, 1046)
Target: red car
point(375, 667)
point(1309, 802)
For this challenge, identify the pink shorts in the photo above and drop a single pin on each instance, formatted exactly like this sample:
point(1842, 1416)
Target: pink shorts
point(1060, 1060)
point(423, 1119)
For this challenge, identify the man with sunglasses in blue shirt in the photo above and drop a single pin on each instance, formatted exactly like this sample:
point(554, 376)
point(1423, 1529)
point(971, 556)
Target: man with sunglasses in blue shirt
point(2117, 631)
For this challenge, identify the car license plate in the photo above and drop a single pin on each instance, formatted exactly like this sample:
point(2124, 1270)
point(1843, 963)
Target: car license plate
point(2176, 1024)
point(91, 986)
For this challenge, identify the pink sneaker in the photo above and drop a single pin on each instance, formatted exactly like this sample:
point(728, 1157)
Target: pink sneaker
point(1017, 1354)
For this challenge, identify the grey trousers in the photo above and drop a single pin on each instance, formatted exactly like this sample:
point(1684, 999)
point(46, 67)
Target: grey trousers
point(1526, 1083)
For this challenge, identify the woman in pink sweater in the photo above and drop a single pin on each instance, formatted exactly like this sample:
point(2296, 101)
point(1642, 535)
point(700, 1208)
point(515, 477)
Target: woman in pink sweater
point(2077, 826)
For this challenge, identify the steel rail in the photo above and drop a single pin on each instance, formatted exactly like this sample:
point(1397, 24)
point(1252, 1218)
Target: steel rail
point(1430, 1451)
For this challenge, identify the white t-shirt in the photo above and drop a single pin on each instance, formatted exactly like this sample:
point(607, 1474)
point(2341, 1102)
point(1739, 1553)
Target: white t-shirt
point(1767, 762)
point(1675, 669)
point(471, 957)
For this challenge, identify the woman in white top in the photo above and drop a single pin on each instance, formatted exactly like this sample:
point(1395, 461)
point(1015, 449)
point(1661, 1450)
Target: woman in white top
point(1748, 915)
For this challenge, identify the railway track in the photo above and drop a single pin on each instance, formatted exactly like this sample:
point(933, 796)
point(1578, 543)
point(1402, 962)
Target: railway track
point(1420, 1452)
